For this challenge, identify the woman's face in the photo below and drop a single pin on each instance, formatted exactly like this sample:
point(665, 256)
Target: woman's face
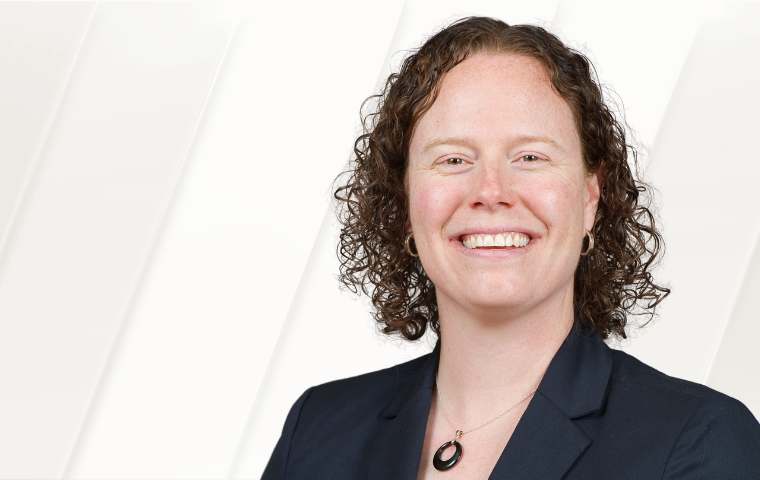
point(497, 160)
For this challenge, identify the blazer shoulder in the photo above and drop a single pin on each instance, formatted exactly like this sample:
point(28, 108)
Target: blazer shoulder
point(396, 371)
point(338, 416)
point(715, 436)
point(369, 391)
point(627, 368)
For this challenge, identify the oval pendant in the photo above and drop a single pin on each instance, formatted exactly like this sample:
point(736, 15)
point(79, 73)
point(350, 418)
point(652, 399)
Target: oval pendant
point(440, 464)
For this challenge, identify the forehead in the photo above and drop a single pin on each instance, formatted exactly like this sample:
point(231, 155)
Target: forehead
point(498, 96)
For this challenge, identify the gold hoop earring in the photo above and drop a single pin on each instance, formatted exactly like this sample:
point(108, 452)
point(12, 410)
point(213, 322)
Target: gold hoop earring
point(408, 247)
point(590, 247)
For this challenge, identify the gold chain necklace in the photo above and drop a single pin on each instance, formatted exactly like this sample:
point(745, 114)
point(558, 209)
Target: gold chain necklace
point(440, 464)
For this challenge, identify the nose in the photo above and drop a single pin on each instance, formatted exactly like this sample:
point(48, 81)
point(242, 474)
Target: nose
point(492, 188)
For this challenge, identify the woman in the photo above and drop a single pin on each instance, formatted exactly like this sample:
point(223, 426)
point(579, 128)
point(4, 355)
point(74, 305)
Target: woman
point(491, 200)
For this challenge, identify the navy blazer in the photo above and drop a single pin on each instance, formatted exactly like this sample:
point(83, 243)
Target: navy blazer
point(598, 414)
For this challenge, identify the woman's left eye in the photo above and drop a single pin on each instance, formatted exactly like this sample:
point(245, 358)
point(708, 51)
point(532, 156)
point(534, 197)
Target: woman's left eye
point(530, 158)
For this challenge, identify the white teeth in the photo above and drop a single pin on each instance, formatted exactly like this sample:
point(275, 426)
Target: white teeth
point(506, 239)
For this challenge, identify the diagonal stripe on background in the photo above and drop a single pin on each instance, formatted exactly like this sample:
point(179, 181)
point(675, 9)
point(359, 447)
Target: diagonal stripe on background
point(704, 161)
point(39, 45)
point(102, 181)
point(82, 454)
point(730, 43)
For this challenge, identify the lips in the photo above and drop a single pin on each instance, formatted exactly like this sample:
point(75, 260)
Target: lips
point(495, 241)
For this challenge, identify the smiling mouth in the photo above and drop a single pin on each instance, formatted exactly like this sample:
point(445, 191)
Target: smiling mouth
point(498, 241)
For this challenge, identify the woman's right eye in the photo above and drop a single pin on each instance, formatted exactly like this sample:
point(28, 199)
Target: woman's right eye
point(454, 161)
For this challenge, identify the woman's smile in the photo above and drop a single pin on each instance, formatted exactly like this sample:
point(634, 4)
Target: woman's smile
point(494, 243)
point(500, 241)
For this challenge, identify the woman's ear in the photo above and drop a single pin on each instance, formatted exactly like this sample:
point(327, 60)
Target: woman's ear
point(594, 184)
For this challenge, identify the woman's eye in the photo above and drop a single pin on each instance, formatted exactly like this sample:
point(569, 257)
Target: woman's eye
point(454, 161)
point(530, 158)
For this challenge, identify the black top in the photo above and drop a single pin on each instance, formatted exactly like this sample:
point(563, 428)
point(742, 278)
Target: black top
point(598, 414)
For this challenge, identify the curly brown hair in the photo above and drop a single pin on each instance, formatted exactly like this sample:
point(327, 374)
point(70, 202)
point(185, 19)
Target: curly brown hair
point(612, 282)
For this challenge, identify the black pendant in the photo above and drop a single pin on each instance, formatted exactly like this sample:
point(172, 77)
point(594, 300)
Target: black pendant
point(446, 464)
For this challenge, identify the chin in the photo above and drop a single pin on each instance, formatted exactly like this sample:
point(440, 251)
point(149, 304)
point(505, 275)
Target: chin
point(499, 298)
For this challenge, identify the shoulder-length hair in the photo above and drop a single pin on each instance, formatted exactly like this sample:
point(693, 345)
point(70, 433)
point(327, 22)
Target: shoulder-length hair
point(612, 282)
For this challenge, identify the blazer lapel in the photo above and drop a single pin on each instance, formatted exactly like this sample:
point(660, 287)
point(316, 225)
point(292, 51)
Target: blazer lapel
point(396, 451)
point(544, 445)
point(546, 441)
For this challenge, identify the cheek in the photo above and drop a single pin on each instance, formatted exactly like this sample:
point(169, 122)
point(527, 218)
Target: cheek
point(559, 204)
point(430, 204)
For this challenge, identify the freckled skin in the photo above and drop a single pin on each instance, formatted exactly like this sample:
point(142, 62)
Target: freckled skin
point(520, 165)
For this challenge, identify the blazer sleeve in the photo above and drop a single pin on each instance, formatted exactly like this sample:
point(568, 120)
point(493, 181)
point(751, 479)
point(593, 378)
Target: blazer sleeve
point(278, 462)
point(720, 441)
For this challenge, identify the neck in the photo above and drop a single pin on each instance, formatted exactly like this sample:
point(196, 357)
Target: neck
point(490, 360)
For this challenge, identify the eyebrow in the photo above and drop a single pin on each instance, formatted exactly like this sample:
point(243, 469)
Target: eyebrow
point(537, 139)
point(457, 141)
point(469, 142)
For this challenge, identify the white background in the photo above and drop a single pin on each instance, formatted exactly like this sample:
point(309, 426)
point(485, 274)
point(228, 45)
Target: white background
point(167, 270)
